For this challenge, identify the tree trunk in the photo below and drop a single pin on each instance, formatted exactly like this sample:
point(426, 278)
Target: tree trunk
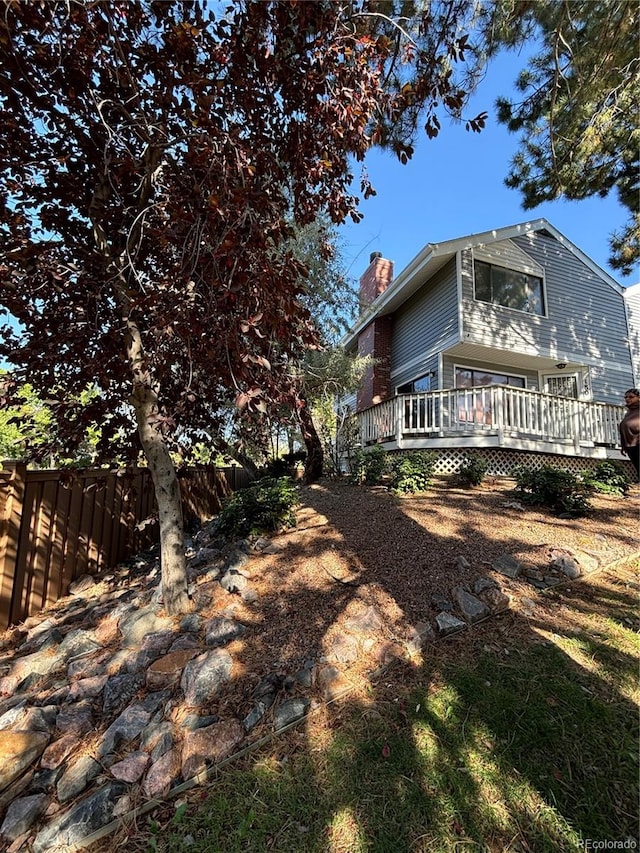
point(144, 399)
point(173, 563)
point(315, 456)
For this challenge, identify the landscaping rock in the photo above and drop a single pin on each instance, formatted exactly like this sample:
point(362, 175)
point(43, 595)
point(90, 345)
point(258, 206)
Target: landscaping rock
point(449, 624)
point(289, 712)
point(167, 670)
point(236, 561)
point(17, 751)
point(483, 584)
point(472, 608)
point(137, 625)
point(495, 599)
point(77, 777)
point(343, 649)
point(419, 636)
point(83, 585)
point(118, 691)
point(22, 814)
point(441, 602)
point(566, 563)
point(209, 745)
point(124, 729)
point(204, 676)
point(221, 630)
point(162, 775)
point(332, 682)
point(80, 821)
point(131, 768)
point(507, 565)
point(367, 622)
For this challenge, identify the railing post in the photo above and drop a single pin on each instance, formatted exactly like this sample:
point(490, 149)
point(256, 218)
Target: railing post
point(14, 476)
point(575, 417)
point(443, 410)
point(399, 404)
point(499, 403)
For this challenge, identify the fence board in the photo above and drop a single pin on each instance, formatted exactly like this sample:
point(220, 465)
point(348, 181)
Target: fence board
point(72, 540)
point(59, 532)
point(58, 525)
point(24, 578)
point(13, 487)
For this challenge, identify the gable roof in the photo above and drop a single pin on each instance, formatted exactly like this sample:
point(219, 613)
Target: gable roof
point(435, 255)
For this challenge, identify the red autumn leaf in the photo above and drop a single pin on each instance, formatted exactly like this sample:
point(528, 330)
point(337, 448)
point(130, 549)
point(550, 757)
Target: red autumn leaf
point(386, 752)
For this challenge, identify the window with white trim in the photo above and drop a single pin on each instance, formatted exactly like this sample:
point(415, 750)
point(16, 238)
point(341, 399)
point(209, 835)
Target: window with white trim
point(509, 288)
point(476, 406)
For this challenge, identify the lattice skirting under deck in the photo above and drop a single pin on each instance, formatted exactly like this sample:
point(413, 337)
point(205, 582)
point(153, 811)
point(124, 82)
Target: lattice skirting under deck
point(501, 462)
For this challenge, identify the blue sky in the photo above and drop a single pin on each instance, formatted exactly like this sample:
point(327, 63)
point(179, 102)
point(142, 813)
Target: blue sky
point(454, 186)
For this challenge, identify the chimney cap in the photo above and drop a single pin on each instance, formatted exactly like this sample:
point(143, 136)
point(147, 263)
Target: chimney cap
point(373, 256)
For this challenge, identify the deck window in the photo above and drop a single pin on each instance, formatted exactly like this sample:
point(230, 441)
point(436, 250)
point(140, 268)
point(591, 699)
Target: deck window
point(422, 383)
point(467, 378)
point(508, 288)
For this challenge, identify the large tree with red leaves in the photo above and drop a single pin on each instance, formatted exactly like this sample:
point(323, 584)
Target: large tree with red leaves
point(151, 156)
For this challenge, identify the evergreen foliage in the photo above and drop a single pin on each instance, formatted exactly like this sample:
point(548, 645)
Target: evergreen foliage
point(411, 471)
point(369, 466)
point(579, 106)
point(555, 488)
point(473, 469)
point(608, 478)
point(266, 506)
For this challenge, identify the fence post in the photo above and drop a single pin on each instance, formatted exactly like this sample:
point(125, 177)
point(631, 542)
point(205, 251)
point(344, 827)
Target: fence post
point(14, 475)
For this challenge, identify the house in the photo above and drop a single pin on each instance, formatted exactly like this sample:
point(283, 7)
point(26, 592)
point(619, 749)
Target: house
point(512, 341)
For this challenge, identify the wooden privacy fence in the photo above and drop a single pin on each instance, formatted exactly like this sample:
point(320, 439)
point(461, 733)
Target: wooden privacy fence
point(57, 525)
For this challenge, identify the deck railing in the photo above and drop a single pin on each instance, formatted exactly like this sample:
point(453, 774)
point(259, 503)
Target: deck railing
point(500, 409)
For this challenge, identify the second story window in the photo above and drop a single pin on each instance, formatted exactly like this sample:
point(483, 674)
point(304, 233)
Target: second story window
point(508, 288)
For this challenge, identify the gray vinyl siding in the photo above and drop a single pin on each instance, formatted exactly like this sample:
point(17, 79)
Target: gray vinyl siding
point(632, 299)
point(508, 254)
point(429, 365)
point(585, 319)
point(423, 326)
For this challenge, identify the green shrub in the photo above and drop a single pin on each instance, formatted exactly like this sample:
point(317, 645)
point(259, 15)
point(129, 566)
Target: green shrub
point(608, 477)
point(369, 466)
point(555, 488)
point(266, 506)
point(411, 471)
point(473, 469)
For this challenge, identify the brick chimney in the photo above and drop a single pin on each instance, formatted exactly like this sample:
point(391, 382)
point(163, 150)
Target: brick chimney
point(375, 279)
point(375, 339)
